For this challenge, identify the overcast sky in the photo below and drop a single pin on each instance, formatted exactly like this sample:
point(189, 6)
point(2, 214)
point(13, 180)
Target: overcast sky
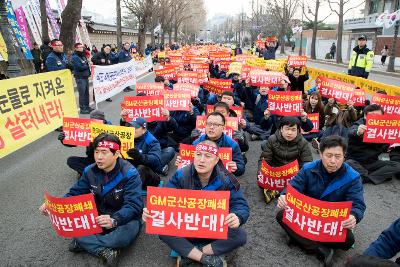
point(106, 8)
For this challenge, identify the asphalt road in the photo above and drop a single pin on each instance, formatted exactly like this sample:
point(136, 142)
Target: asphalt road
point(27, 238)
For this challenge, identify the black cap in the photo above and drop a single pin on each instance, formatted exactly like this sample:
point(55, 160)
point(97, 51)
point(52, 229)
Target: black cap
point(362, 37)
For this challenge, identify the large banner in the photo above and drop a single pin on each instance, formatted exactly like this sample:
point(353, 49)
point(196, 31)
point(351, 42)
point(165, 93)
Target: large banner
point(3, 49)
point(33, 106)
point(314, 219)
point(111, 80)
point(77, 131)
point(143, 66)
point(391, 104)
point(148, 107)
point(187, 213)
point(382, 129)
point(73, 216)
point(285, 103)
point(276, 178)
point(340, 91)
point(126, 135)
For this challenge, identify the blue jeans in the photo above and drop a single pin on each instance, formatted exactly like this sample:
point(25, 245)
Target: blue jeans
point(121, 237)
point(83, 90)
point(167, 154)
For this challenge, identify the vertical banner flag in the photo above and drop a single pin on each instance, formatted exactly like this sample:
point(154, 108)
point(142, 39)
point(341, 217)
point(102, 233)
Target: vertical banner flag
point(148, 107)
point(33, 106)
point(382, 129)
point(331, 88)
point(285, 103)
point(32, 24)
point(314, 219)
point(277, 178)
point(111, 80)
point(21, 20)
point(73, 216)
point(77, 131)
point(34, 6)
point(187, 213)
point(20, 39)
point(126, 135)
point(53, 21)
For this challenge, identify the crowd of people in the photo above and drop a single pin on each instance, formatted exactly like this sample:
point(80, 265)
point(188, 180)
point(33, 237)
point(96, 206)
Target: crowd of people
point(346, 162)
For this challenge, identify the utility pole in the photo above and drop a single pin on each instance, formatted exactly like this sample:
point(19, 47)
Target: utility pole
point(301, 33)
point(13, 69)
point(392, 57)
point(119, 28)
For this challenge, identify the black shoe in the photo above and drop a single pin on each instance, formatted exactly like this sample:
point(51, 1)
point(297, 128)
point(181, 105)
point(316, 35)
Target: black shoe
point(108, 100)
point(183, 261)
point(59, 129)
point(75, 247)
point(213, 261)
point(109, 256)
point(327, 254)
point(90, 109)
point(85, 111)
point(128, 89)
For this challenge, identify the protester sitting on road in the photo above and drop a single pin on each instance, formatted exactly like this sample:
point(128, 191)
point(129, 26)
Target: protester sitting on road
point(297, 81)
point(78, 164)
point(314, 105)
point(238, 88)
point(208, 173)
point(283, 147)
point(215, 124)
point(327, 179)
point(116, 187)
point(146, 154)
point(364, 157)
point(261, 104)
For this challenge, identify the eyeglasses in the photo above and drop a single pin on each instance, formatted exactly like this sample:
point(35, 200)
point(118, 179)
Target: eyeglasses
point(211, 124)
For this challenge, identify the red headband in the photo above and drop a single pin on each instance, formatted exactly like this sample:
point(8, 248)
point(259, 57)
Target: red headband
point(108, 144)
point(56, 43)
point(207, 148)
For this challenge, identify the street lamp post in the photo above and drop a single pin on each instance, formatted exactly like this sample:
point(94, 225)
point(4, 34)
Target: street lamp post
point(13, 69)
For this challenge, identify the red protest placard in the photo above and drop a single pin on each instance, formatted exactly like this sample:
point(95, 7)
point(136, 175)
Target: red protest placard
point(382, 129)
point(215, 89)
point(186, 152)
point(221, 83)
point(285, 103)
point(314, 219)
point(187, 213)
point(224, 64)
point(238, 110)
point(276, 178)
point(220, 55)
point(77, 131)
point(73, 216)
point(193, 89)
point(200, 67)
point(391, 104)
point(188, 77)
point(150, 89)
point(314, 117)
point(260, 43)
point(297, 61)
point(359, 97)
point(331, 88)
point(265, 78)
point(148, 107)
point(177, 100)
point(169, 73)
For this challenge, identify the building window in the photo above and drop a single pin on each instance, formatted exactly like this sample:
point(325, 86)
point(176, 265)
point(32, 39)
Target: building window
point(373, 6)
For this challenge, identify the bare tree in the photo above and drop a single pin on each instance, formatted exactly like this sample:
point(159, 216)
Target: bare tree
point(340, 4)
point(119, 26)
point(283, 12)
point(315, 24)
point(70, 18)
point(43, 19)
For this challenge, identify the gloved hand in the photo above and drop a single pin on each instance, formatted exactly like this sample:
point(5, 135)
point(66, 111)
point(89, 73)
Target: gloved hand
point(195, 134)
point(136, 156)
point(61, 136)
point(69, 66)
point(196, 101)
point(238, 135)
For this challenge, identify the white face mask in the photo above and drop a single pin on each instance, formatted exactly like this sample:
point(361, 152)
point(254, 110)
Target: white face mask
point(335, 110)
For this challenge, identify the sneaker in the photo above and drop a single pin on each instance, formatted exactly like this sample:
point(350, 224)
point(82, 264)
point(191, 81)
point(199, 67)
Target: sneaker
point(183, 261)
point(84, 111)
point(109, 256)
point(109, 100)
point(213, 261)
point(315, 144)
point(327, 254)
point(164, 170)
point(75, 247)
point(254, 137)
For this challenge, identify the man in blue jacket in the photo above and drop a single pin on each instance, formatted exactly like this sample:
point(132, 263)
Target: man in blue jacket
point(328, 179)
point(82, 74)
point(57, 60)
point(215, 124)
point(146, 154)
point(208, 173)
point(116, 187)
point(125, 56)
